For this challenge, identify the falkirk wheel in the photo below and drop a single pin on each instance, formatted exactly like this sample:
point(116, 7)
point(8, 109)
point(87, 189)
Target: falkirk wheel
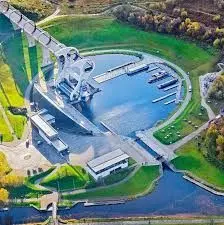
point(74, 71)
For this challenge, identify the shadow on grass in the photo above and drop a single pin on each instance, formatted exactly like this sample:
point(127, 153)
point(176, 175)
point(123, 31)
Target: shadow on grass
point(33, 61)
point(14, 56)
point(6, 28)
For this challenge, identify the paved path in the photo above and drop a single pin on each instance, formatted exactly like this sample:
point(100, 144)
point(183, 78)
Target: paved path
point(167, 151)
point(51, 17)
point(200, 184)
point(154, 221)
point(211, 114)
point(186, 139)
point(45, 200)
point(138, 153)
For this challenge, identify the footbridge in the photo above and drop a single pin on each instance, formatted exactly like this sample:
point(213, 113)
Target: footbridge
point(50, 200)
point(73, 69)
point(165, 153)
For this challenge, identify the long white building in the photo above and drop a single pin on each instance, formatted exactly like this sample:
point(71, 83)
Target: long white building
point(107, 164)
point(42, 121)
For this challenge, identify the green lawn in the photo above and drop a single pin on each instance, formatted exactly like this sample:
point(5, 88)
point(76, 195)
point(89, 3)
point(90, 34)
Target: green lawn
point(29, 188)
point(193, 112)
point(67, 177)
point(192, 160)
point(118, 176)
point(10, 95)
point(4, 130)
point(138, 184)
point(101, 32)
point(26, 191)
point(16, 69)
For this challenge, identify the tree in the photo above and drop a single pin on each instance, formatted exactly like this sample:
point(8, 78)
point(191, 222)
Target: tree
point(212, 132)
point(11, 180)
point(217, 43)
point(219, 3)
point(4, 166)
point(216, 91)
point(4, 195)
point(184, 13)
point(220, 141)
point(216, 18)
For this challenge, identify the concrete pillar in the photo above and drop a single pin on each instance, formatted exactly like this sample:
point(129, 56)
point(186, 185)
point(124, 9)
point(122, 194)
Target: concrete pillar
point(31, 40)
point(15, 26)
point(221, 67)
point(46, 57)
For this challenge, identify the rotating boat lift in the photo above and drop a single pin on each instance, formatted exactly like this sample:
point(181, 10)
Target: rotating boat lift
point(74, 72)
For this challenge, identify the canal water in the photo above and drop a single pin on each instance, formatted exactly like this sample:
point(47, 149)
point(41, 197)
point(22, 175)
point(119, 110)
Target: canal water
point(172, 196)
point(125, 105)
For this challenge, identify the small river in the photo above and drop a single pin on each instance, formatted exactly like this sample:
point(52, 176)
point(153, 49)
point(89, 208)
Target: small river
point(172, 196)
point(125, 105)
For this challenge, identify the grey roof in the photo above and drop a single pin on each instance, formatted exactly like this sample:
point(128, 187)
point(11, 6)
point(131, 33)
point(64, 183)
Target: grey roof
point(48, 130)
point(48, 117)
point(59, 145)
point(107, 160)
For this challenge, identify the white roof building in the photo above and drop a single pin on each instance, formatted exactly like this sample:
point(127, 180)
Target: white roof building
point(107, 164)
point(41, 121)
point(45, 127)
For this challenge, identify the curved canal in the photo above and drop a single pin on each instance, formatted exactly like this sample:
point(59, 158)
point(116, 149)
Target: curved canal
point(172, 196)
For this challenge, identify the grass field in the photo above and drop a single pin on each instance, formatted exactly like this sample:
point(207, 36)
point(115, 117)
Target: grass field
point(4, 129)
point(100, 33)
point(67, 177)
point(26, 191)
point(192, 160)
point(139, 183)
point(10, 95)
point(16, 70)
point(29, 188)
point(117, 177)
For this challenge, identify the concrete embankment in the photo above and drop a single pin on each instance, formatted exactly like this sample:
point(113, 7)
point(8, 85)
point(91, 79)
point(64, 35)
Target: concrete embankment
point(203, 186)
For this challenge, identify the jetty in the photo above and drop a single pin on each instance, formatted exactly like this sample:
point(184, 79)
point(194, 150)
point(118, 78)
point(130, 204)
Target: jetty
point(167, 83)
point(127, 68)
point(169, 102)
point(164, 97)
point(171, 87)
point(137, 69)
point(152, 69)
point(145, 63)
point(178, 95)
